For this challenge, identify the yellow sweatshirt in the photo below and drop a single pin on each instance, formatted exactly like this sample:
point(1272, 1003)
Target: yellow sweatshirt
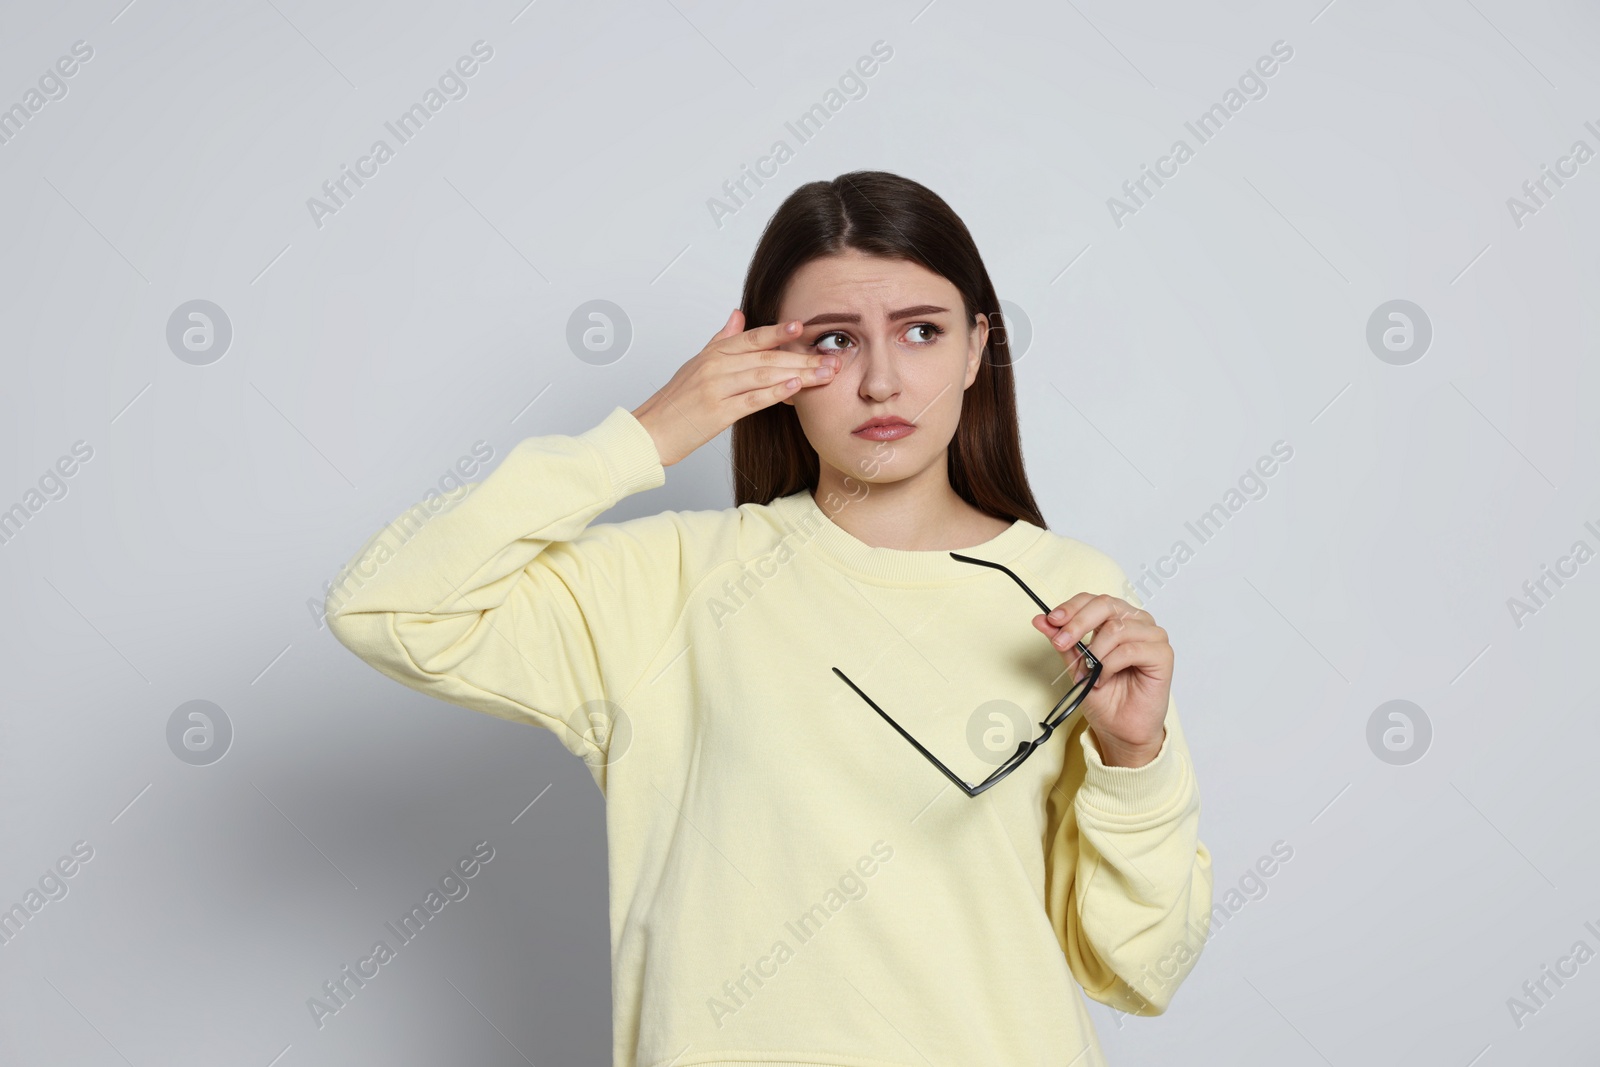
point(791, 881)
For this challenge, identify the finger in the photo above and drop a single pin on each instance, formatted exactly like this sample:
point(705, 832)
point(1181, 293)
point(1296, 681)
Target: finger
point(1143, 654)
point(1044, 626)
point(756, 399)
point(764, 397)
point(1066, 608)
point(1083, 615)
point(809, 369)
point(1118, 631)
point(1107, 638)
point(1071, 650)
point(1089, 611)
point(1075, 667)
point(761, 337)
point(732, 326)
point(1062, 613)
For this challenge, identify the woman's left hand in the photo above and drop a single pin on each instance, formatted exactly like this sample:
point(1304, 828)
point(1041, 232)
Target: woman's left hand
point(1127, 708)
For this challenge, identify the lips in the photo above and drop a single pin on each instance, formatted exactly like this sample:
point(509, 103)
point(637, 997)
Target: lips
point(884, 428)
point(885, 420)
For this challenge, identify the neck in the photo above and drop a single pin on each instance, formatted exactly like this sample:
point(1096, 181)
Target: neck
point(919, 513)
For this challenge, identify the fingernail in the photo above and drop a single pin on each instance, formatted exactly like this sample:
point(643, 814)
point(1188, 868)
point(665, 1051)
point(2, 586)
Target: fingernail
point(793, 327)
point(1057, 615)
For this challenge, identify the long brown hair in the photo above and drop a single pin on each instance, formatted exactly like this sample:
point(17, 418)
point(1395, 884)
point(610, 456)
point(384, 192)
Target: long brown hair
point(883, 214)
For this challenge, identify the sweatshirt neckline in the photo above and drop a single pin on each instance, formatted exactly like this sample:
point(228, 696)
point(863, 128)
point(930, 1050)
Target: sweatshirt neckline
point(808, 524)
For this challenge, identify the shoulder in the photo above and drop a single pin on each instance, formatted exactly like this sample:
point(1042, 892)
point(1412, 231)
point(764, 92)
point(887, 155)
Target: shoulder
point(699, 539)
point(1069, 566)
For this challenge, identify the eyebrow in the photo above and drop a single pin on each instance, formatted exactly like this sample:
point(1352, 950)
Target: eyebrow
point(903, 313)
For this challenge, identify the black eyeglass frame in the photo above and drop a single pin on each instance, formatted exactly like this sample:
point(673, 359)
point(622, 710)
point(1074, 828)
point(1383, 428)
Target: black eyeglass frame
point(1024, 748)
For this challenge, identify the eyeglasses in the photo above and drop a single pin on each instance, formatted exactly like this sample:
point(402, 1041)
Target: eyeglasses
point(1075, 694)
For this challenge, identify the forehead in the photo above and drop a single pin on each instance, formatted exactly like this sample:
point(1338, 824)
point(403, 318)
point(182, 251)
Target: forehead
point(855, 281)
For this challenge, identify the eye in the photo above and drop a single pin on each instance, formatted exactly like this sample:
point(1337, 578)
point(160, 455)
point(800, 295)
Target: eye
point(933, 330)
point(821, 348)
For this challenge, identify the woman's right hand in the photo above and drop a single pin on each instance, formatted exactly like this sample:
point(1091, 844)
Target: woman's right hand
point(737, 372)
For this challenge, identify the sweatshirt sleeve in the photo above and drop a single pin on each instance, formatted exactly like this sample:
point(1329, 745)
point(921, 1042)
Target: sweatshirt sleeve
point(509, 602)
point(1127, 879)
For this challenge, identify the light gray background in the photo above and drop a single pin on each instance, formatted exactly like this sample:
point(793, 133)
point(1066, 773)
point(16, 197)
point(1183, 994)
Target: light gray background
point(1167, 355)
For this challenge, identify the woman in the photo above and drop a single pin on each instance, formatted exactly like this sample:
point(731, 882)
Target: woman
point(792, 882)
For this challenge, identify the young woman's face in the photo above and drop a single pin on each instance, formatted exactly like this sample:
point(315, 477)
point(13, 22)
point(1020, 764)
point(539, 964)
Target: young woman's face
point(906, 350)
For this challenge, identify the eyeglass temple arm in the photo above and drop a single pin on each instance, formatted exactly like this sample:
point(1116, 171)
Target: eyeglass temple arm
point(1089, 658)
point(970, 790)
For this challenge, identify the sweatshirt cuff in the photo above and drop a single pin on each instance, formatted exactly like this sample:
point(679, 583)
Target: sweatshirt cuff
point(1133, 792)
point(627, 451)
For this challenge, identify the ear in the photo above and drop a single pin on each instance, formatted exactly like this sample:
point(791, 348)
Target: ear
point(978, 337)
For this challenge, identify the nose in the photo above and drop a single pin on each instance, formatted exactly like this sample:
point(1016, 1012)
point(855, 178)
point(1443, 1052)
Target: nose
point(880, 374)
